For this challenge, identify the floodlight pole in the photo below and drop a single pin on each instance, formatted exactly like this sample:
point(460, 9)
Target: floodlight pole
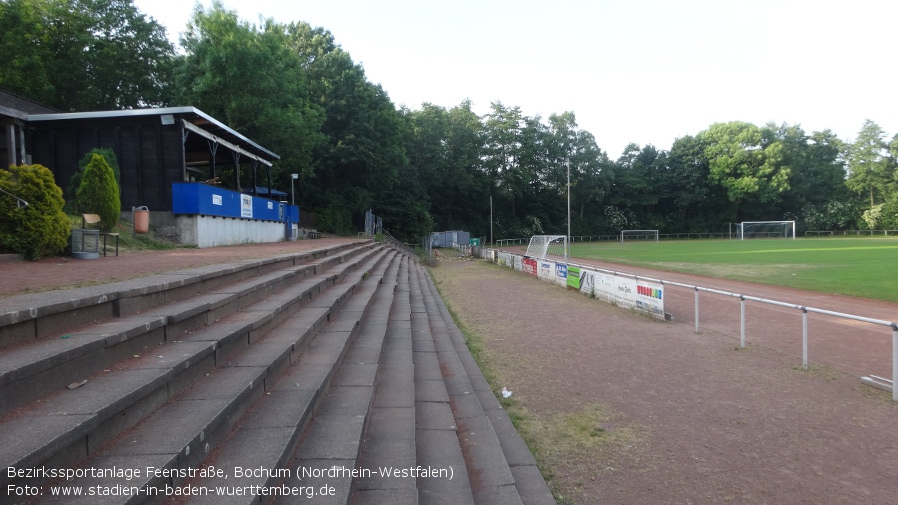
point(491, 220)
point(567, 241)
point(293, 177)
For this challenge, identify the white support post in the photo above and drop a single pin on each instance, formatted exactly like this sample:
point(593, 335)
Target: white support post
point(742, 321)
point(804, 338)
point(696, 310)
point(894, 362)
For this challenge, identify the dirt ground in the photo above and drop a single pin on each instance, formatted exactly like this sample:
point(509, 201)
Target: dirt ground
point(627, 409)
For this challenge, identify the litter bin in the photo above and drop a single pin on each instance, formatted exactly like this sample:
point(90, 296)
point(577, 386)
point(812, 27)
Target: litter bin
point(141, 220)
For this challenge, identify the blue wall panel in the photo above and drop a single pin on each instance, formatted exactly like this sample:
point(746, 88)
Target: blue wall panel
point(207, 200)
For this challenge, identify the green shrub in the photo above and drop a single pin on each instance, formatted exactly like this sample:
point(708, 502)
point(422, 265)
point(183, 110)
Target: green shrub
point(72, 190)
point(99, 193)
point(41, 229)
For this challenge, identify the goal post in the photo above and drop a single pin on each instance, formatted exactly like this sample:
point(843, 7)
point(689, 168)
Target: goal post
point(547, 247)
point(765, 229)
point(650, 235)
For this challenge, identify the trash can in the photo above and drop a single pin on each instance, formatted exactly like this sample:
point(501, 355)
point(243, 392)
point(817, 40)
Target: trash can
point(141, 220)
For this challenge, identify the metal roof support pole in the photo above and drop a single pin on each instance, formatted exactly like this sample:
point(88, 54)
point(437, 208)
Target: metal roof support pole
point(255, 165)
point(213, 150)
point(236, 170)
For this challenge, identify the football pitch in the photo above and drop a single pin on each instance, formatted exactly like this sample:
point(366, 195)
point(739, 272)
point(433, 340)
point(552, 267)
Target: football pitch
point(864, 267)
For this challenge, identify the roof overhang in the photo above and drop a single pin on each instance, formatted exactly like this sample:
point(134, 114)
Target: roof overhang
point(194, 120)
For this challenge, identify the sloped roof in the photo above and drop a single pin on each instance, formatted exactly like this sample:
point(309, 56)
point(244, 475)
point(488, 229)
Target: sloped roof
point(20, 107)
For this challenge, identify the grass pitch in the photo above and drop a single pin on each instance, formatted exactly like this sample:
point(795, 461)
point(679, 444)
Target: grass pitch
point(864, 267)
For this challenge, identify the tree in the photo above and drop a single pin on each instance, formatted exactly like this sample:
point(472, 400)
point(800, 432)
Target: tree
point(747, 161)
point(79, 55)
point(869, 170)
point(358, 160)
point(99, 193)
point(41, 228)
point(75, 183)
point(249, 76)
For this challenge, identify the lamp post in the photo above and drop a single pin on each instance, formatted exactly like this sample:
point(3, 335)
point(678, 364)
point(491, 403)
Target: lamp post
point(293, 177)
point(567, 245)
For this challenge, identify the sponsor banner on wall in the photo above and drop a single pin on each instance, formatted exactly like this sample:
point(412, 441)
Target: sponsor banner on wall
point(546, 270)
point(573, 277)
point(246, 206)
point(519, 263)
point(529, 266)
point(561, 274)
point(504, 259)
point(624, 292)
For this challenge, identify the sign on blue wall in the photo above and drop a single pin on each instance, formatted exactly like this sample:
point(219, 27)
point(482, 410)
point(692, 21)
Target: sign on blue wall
point(208, 200)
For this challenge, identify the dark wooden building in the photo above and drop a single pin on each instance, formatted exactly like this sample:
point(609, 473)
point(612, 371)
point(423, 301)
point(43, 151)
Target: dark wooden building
point(154, 147)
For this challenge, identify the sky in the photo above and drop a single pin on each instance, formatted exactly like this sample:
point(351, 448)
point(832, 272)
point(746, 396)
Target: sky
point(632, 71)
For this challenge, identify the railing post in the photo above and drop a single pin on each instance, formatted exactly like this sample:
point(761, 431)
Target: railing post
point(696, 309)
point(742, 321)
point(894, 362)
point(804, 338)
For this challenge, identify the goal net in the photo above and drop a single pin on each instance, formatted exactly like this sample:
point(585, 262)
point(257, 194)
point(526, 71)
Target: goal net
point(547, 247)
point(765, 229)
point(649, 235)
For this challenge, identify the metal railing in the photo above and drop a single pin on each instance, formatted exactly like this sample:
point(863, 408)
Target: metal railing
point(19, 202)
point(803, 308)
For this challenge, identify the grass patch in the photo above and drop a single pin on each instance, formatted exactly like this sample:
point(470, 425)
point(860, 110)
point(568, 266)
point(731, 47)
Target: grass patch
point(849, 266)
point(819, 371)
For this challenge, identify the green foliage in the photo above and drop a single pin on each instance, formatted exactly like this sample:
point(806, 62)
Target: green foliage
point(747, 161)
point(80, 55)
point(40, 229)
point(870, 170)
point(109, 156)
point(250, 77)
point(98, 193)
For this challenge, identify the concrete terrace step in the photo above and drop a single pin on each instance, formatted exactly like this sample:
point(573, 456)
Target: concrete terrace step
point(482, 421)
point(334, 378)
point(38, 315)
point(389, 441)
point(436, 433)
point(40, 366)
point(69, 425)
point(208, 424)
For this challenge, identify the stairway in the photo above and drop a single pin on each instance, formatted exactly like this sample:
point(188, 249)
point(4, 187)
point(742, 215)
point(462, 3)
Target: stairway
point(316, 374)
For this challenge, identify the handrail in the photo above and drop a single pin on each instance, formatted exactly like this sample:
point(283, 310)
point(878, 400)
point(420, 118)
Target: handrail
point(19, 202)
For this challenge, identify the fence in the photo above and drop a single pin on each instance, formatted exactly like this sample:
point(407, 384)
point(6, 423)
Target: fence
point(858, 233)
point(804, 310)
point(505, 242)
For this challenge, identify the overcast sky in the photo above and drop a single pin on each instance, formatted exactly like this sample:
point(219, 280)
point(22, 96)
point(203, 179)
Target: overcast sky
point(640, 71)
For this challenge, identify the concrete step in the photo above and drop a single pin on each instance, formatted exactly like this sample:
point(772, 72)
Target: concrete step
point(334, 378)
point(437, 431)
point(481, 419)
point(40, 366)
point(71, 425)
point(53, 313)
point(389, 442)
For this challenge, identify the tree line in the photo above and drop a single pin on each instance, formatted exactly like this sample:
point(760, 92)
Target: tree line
point(294, 90)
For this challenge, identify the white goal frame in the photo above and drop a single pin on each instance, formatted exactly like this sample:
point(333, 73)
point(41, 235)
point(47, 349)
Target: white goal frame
point(647, 234)
point(788, 226)
point(547, 247)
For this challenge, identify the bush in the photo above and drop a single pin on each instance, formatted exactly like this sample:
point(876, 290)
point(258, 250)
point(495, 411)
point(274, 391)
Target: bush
point(99, 193)
point(41, 229)
point(75, 182)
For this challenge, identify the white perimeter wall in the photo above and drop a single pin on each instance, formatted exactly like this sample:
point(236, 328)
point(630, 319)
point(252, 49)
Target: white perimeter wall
point(625, 292)
point(211, 231)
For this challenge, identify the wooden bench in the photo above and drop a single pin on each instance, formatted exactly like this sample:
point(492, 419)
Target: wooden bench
point(94, 219)
point(314, 234)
